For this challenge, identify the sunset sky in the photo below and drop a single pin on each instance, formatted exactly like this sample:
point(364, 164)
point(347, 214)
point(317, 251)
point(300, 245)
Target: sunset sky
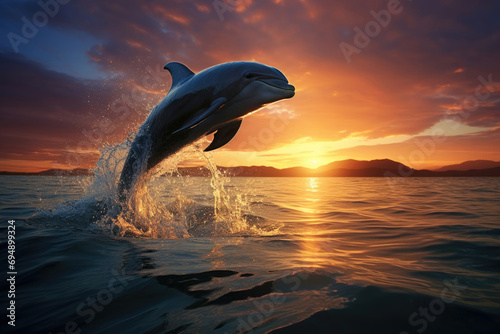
point(421, 85)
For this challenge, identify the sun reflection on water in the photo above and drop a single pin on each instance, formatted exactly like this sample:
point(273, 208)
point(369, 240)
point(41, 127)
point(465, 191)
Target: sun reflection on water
point(313, 184)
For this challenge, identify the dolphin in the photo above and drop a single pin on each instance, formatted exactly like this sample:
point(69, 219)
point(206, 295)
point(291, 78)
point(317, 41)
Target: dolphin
point(213, 100)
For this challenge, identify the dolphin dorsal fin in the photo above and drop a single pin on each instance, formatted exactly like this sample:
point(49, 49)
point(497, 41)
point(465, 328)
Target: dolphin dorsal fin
point(179, 72)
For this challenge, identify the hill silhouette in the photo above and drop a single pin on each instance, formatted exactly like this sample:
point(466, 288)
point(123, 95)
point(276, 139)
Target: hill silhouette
point(473, 164)
point(344, 168)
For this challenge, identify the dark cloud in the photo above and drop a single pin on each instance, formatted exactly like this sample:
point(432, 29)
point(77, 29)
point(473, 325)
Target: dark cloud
point(50, 116)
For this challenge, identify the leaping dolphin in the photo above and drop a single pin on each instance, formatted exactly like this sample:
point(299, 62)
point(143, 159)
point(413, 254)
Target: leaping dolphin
point(215, 99)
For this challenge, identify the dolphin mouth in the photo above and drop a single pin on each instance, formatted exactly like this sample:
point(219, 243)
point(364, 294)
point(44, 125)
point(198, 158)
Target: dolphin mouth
point(278, 83)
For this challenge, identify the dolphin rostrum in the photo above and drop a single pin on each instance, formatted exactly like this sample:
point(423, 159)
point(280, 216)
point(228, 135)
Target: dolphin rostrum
point(213, 100)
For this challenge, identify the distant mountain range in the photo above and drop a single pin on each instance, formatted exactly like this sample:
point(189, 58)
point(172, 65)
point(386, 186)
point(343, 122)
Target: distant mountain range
point(473, 164)
point(344, 168)
point(56, 172)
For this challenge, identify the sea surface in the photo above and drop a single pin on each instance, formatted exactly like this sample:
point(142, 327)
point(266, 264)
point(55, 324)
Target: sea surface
point(259, 255)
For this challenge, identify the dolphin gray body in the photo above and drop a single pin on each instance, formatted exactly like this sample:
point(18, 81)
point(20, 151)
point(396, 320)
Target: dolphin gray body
point(213, 100)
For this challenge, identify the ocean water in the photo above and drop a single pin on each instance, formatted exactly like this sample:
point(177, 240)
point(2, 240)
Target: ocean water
point(259, 255)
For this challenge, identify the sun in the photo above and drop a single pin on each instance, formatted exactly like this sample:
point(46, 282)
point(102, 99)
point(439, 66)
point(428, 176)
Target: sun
point(314, 162)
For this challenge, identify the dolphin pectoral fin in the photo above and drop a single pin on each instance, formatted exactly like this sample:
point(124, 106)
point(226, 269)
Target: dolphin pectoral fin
point(224, 135)
point(202, 116)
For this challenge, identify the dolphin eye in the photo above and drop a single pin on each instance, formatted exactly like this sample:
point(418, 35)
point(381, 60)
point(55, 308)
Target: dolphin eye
point(250, 75)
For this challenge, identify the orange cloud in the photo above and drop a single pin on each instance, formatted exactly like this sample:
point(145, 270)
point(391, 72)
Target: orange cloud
point(417, 71)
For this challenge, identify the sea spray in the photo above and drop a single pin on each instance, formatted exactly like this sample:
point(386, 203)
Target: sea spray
point(163, 202)
point(228, 208)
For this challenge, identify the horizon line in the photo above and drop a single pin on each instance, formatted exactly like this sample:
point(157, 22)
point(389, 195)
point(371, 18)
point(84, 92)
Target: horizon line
point(309, 168)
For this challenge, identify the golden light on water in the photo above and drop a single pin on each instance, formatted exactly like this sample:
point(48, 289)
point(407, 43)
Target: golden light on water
point(312, 254)
point(313, 184)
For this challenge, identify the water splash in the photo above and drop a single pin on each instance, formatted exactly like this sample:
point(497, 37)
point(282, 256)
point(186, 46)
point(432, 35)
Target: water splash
point(163, 203)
